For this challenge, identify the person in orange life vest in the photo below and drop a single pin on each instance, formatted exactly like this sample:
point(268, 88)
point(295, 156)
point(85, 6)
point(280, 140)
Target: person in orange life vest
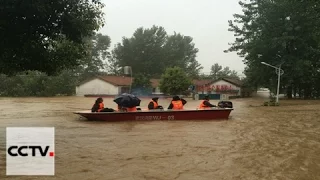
point(99, 106)
point(177, 103)
point(205, 104)
point(154, 104)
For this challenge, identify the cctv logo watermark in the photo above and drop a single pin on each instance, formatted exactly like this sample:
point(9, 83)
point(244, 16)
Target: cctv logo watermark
point(30, 151)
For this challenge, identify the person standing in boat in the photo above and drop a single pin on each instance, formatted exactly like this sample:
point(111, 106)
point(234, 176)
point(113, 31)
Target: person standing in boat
point(177, 103)
point(205, 104)
point(153, 104)
point(98, 106)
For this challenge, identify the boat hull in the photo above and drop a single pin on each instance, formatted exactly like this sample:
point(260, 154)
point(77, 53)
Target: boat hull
point(210, 114)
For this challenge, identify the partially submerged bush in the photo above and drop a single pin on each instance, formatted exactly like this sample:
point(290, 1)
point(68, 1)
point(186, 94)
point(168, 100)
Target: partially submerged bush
point(270, 103)
point(34, 83)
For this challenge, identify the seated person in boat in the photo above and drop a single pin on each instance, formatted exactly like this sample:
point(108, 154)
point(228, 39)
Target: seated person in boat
point(99, 106)
point(154, 104)
point(205, 104)
point(126, 109)
point(177, 103)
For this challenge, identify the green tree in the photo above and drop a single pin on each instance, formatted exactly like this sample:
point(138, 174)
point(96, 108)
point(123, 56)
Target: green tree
point(141, 84)
point(233, 74)
point(113, 65)
point(174, 81)
point(46, 36)
point(217, 72)
point(180, 51)
point(64, 84)
point(95, 61)
point(141, 81)
point(215, 69)
point(151, 51)
point(279, 32)
point(143, 51)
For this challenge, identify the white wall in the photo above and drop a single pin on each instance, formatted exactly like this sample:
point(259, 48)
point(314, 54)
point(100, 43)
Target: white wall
point(223, 83)
point(157, 91)
point(96, 86)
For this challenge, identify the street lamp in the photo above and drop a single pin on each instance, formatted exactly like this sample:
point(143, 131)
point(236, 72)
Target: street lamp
point(279, 71)
point(128, 70)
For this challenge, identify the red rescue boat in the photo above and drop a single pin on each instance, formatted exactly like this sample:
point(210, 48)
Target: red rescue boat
point(207, 114)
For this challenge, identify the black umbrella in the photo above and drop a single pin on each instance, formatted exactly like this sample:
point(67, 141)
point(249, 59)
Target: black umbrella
point(127, 100)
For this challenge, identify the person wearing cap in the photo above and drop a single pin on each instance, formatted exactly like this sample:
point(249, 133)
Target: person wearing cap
point(205, 104)
point(154, 104)
point(177, 103)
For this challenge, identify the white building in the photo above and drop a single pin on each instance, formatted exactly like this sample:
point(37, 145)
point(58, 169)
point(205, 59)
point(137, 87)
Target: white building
point(110, 85)
point(223, 87)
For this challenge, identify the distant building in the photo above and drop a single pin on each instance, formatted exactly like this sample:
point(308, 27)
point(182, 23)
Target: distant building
point(219, 89)
point(110, 85)
point(115, 85)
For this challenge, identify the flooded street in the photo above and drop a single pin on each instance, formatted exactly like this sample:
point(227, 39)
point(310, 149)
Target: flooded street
point(280, 143)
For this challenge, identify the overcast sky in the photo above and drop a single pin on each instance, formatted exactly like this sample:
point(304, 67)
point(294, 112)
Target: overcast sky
point(204, 20)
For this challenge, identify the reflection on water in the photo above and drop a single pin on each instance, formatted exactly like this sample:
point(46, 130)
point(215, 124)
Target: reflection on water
point(256, 143)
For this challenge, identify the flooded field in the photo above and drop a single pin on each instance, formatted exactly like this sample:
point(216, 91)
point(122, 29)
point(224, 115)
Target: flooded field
point(257, 143)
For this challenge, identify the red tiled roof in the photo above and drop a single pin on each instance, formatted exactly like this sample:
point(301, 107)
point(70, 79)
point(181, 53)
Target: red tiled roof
point(200, 82)
point(126, 81)
point(233, 81)
point(208, 81)
point(117, 80)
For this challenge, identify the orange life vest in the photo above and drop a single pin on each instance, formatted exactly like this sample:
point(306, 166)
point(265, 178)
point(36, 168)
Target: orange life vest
point(202, 106)
point(177, 104)
point(155, 104)
point(101, 106)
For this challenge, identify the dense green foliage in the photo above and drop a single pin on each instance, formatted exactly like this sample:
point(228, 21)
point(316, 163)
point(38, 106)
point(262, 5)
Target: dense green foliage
point(280, 32)
point(174, 81)
point(141, 84)
point(49, 47)
point(35, 83)
point(151, 51)
point(46, 36)
point(141, 81)
point(95, 61)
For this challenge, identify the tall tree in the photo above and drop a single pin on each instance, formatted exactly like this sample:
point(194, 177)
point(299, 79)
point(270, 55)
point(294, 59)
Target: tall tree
point(225, 72)
point(215, 69)
point(143, 51)
point(97, 53)
point(46, 36)
point(280, 32)
point(151, 51)
point(174, 81)
point(233, 74)
point(217, 72)
point(181, 52)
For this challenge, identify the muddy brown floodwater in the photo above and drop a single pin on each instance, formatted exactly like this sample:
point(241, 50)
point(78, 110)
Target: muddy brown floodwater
point(256, 143)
